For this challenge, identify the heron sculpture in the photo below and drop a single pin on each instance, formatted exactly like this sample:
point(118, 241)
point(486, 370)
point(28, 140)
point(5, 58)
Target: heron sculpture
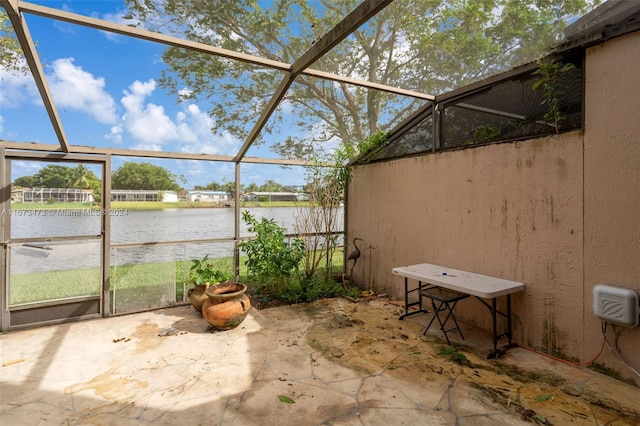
point(354, 255)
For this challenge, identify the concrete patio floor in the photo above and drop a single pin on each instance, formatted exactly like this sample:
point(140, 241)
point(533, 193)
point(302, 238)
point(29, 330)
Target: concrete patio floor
point(329, 362)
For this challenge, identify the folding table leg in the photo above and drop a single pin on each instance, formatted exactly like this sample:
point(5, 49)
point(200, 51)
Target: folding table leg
point(444, 306)
point(494, 323)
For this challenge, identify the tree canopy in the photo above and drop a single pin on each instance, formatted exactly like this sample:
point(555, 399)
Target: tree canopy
point(229, 187)
point(132, 175)
point(430, 46)
point(11, 58)
point(56, 176)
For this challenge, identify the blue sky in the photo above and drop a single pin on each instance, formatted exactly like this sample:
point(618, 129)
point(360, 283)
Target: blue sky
point(106, 91)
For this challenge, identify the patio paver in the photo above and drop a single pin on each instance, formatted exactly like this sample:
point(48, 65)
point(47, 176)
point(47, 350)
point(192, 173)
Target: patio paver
point(337, 362)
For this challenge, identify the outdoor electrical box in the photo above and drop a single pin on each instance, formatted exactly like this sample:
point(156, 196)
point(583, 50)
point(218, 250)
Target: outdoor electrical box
point(616, 305)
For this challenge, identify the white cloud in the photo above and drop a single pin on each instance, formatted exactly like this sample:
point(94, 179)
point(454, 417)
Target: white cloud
point(17, 89)
point(146, 122)
point(74, 88)
point(115, 135)
point(24, 168)
point(197, 137)
point(149, 123)
point(185, 93)
point(147, 147)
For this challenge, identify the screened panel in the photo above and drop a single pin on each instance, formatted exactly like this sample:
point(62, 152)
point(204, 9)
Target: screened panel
point(142, 278)
point(513, 110)
point(137, 226)
point(305, 126)
point(150, 277)
point(219, 255)
point(43, 272)
point(417, 139)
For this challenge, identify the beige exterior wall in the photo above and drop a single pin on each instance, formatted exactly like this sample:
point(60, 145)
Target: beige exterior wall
point(560, 214)
point(612, 182)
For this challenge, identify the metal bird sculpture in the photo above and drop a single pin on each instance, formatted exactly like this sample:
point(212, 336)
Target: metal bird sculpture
point(354, 255)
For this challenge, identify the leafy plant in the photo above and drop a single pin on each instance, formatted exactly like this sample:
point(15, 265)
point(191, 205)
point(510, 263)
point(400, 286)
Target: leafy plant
point(203, 272)
point(484, 133)
point(454, 355)
point(549, 73)
point(315, 220)
point(372, 143)
point(270, 258)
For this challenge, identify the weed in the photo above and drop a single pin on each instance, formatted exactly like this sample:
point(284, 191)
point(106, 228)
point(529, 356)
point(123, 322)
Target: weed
point(455, 356)
point(549, 73)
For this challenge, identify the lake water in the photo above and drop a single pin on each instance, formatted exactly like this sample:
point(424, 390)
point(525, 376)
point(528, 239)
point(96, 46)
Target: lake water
point(133, 226)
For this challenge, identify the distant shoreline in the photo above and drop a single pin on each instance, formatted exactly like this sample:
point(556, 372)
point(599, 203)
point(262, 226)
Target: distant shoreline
point(152, 205)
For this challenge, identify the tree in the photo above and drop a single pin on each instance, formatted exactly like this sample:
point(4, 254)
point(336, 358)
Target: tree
point(272, 186)
point(11, 57)
point(325, 189)
point(229, 186)
point(430, 46)
point(84, 178)
point(252, 187)
point(25, 182)
point(53, 176)
point(133, 175)
point(81, 177)
point(212, 186)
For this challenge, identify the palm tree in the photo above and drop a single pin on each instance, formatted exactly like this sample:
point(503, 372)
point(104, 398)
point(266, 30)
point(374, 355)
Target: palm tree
point(80, 177)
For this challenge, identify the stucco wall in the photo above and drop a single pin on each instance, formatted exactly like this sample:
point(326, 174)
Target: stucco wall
point(612, 183)
point(509, 210)
point(560, 214)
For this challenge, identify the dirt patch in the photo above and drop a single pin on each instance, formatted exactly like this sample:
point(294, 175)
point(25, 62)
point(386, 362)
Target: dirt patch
point(367, 334)
point(261, 302)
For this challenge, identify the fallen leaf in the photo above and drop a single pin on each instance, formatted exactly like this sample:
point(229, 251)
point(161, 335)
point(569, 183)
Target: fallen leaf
point(284, 398)
point(544, 397)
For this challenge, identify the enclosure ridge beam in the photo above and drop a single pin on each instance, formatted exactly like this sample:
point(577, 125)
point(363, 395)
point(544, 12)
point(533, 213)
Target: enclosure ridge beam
point(148, 35)
point(342, 30)
point(152, 36)
point(367, 84)
point(76, 149)
point(265, 115)
point(28, 48)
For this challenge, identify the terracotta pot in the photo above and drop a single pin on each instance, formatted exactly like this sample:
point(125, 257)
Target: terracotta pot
point(227, 305)
point(197, 296)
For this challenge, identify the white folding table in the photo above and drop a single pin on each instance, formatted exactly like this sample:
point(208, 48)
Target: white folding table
point(480, 286)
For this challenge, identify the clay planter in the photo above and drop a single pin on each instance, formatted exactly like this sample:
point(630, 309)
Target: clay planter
point(197, 296)
point(227, 305)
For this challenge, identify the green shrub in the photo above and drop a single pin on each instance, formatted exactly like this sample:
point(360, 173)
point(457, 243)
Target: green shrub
point(202, 272)
point(271, 260)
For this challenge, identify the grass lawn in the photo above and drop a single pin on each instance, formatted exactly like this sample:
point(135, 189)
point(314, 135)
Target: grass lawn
point(133, 286)
point(165, 281)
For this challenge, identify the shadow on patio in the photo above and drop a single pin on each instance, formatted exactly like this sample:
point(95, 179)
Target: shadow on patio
point(329, 362)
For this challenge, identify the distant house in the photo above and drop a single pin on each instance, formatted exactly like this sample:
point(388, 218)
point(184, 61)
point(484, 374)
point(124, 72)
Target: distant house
point(61, 195)
point(209, 196)
point(275, 196)
point(143, 195)
point(17, 195)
